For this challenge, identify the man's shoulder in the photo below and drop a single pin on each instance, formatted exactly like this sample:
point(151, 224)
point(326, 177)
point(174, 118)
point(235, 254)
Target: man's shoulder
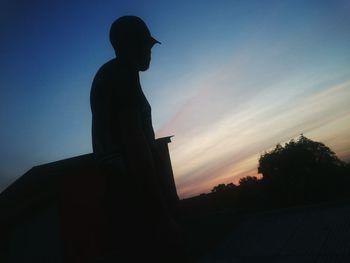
point(114, 81)
point(113, 71)
point(108, 68)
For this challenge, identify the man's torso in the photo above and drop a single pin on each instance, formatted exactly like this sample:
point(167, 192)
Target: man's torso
point(116, 87)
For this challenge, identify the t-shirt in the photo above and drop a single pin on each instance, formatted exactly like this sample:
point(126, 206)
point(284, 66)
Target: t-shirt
point(115, 88)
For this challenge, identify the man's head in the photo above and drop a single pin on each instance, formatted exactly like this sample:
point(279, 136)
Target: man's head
point(132, 41)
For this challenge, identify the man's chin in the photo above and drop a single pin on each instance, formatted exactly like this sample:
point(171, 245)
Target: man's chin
point(144, 67)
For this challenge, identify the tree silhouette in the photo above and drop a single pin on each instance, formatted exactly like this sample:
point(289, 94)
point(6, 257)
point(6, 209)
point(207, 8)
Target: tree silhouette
point(301, 170)
point(222, 187)
point(248, 181)
point(304, 156)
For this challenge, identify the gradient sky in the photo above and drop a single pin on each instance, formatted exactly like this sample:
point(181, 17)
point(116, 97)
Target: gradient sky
point(230, 80)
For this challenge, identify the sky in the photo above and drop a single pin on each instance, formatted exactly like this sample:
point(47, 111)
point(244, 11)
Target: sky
point(230, 80)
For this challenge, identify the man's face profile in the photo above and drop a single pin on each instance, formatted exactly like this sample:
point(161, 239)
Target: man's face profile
point(144, 58)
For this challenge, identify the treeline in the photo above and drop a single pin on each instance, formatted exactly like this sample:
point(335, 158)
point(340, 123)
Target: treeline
point(300, 172)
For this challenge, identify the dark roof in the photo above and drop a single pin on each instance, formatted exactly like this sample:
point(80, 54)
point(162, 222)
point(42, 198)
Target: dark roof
point(166, 139)
point(45, 183)
point(40, 184)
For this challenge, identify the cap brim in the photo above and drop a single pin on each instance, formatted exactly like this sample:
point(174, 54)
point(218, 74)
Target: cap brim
point(154, 41)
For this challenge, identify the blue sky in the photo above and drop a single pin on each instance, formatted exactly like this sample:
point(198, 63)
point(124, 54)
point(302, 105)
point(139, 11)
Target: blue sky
point(230, 80)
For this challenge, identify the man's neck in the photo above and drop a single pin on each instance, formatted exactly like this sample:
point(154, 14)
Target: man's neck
point(127, 63)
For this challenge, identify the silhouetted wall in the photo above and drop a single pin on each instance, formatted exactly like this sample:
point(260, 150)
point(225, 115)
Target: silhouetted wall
point(56, 212)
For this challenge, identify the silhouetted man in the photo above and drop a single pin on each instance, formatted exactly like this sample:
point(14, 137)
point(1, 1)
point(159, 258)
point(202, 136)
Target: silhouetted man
point(123, 136)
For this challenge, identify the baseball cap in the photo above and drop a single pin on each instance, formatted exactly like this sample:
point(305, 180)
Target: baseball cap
point(130, 30)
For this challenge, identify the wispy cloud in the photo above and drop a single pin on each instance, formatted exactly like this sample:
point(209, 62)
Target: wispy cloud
point(221, 131)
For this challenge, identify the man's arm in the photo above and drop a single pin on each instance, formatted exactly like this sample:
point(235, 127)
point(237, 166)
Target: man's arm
point(139, 156)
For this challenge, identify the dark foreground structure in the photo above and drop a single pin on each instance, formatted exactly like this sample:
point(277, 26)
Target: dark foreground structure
point(56, 212)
